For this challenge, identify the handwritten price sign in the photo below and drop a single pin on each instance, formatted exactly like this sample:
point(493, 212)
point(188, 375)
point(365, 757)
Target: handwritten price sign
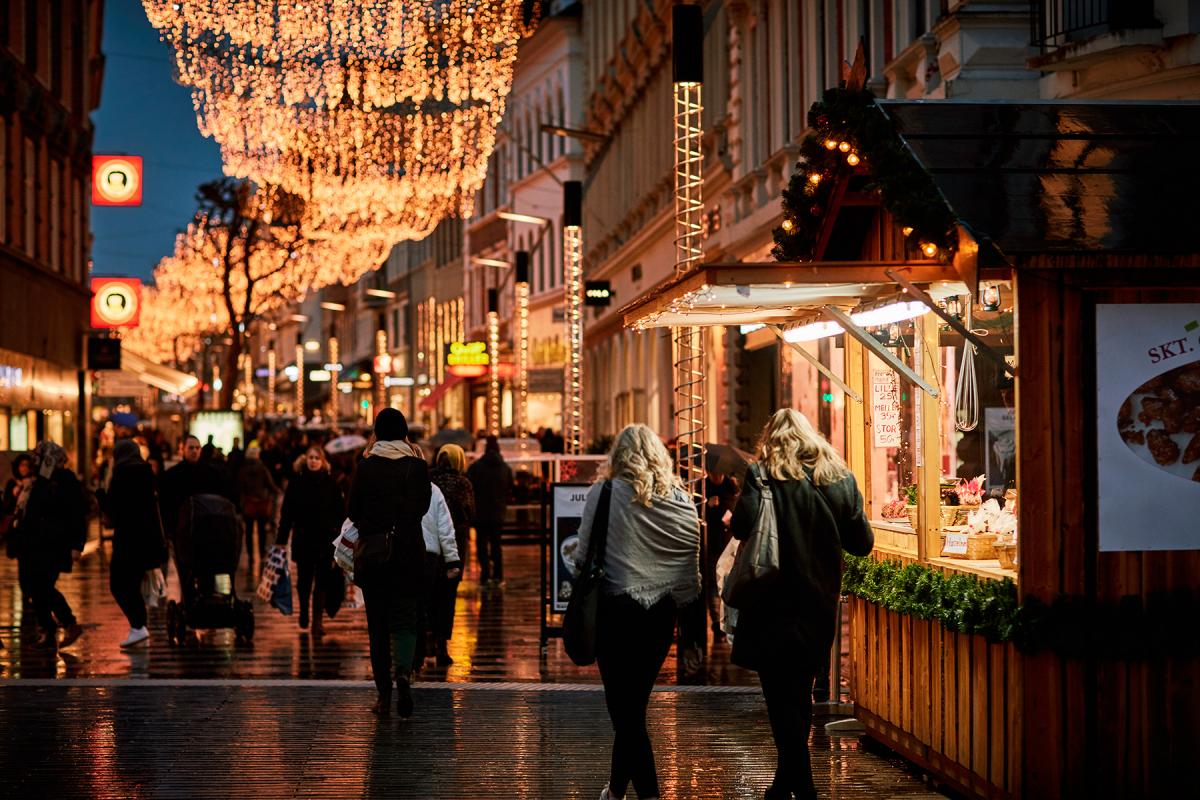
point(885, 407)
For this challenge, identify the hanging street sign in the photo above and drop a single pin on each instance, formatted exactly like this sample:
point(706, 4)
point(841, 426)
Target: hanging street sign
point(597, 294)
point(116, 180)
point(467, 359)
point(116, 302)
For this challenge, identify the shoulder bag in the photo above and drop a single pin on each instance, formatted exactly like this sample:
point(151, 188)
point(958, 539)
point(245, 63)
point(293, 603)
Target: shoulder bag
point(579, 622)
point(756, 566)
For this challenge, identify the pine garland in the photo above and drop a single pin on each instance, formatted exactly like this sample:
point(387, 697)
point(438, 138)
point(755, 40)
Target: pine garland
point(849, 133)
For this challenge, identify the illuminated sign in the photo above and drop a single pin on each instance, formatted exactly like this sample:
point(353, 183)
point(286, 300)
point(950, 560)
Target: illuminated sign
point(116, 180)
point(116, 302)
point(319, 375)
point(467, 359)
point(383, 364)
point(597, 293)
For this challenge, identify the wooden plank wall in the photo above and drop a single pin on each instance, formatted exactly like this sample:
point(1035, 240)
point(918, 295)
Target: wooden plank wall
point(1092, 727)
point(949, 702)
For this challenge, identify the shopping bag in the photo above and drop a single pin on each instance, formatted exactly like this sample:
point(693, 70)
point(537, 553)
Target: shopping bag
point(579, 626)
point(724, 567)
point(756, 565)
point(154, 588)
point(343, 548)
point(275, 566)
point(281, 595)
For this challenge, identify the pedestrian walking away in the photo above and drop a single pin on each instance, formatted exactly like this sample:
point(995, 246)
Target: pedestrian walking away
point(389, 496)
point(51, 530)
point(492, 480)
point(449, 475)
point(15, 493)
point(651, 569)
point(312, 513)
point(258, 491)
point(784, 634)
point(443, 568)
point(139, 544)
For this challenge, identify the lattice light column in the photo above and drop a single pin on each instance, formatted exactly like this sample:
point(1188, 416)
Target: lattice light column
point(299, 375)
point(383, 369)
point(573, 289)
point(271, 379)
point(521, 296)
point(688, 70)
point(335, 370)
point(493, 334)
point(248, 382)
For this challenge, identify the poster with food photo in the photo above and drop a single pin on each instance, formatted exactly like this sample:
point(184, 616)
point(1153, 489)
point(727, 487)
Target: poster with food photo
point(1148, 426)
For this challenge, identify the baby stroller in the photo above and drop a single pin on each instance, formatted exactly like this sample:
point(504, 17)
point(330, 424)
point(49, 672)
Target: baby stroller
point(207, 544)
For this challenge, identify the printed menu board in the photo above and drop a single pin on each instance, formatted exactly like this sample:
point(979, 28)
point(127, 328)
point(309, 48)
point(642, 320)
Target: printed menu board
point(885, 407)
point(1148, 426)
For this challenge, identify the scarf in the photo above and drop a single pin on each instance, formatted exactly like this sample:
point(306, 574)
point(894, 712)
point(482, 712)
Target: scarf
point(47, 457)
point(394, 449)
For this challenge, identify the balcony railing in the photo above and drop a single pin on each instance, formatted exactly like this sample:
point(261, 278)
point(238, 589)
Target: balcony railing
point(1057, 23)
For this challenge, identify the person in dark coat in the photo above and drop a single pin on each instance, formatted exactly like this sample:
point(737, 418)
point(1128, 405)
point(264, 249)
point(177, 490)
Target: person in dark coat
point(258, 491)
point(389, 496)
point(449, 475)
point(19, 484)
point(187, 478)
point(786, 633)
point(492, 481)
point(312, 514)
point(51, 531)
point(139, 546)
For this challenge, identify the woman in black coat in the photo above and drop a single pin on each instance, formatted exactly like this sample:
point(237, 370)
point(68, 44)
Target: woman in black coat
point(131, 504)
point(390, 495)
point(313, 509)
point(789, 629)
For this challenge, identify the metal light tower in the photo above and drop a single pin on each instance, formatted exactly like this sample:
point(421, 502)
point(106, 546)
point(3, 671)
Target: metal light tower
point(573, 290)
point(271, 379)
point(299, 375)
point(521, 295)
point(493, 333)
point(687, 77)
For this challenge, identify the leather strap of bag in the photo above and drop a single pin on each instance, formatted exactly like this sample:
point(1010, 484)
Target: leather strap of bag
point(598, 542)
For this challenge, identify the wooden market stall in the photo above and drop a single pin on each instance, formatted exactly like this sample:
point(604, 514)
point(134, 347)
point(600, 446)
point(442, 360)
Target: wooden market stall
point(1053, 246)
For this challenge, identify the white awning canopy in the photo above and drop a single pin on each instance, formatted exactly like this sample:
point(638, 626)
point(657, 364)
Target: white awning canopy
point(158, 376)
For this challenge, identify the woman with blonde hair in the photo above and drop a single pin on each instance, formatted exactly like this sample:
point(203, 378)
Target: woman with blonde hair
point(450, 475)
point(651, 561)
point(786, 633)
point(311, 516)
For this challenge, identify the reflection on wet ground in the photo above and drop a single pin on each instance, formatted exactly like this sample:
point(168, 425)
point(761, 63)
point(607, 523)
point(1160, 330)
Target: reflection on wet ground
point(274, 739)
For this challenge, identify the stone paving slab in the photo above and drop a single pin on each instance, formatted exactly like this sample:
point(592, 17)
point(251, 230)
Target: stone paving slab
point(275, 739)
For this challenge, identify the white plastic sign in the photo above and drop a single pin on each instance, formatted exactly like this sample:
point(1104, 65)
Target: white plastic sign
point(956, 544)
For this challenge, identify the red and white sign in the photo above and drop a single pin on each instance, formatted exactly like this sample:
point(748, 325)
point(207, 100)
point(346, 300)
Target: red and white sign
point(885, 407)
point(116, 180)
point(116, 302)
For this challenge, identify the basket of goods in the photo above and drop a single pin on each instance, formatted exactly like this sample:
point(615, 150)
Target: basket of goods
point(895, 510)
point(910, 508)
point(970, 496)
point(976, 541)
point(1006, 552)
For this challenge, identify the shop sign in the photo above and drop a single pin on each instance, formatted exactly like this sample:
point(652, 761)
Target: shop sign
point(10, 377)
point(115, 383)
point(116, 302)
point(1148, 464)
point(885, 407)
point(597, 293)
point(956, 544)
point(116, 180)
point(566, 514)
point(467, 359)
point(382, 364)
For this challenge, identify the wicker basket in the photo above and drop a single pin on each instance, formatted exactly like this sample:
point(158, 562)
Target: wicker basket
point(1007, 554)
point(980, 547)
point(912, 515)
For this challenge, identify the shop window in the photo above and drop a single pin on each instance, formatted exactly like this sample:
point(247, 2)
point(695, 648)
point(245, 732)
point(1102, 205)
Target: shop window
point(54, 427)
point(4, 436)
point(18, 432)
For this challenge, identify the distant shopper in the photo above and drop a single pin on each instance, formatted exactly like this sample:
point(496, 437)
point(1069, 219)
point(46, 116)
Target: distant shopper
point(312, 514)
point(786, 634)
point(51, 532)
point(187, 478)
point(139, 546)
point(651, 569)
point(720, 491)
point(492, 481)
point(449, 475)
point(16, 491)
point(390, 495)
point(443, 568)
point(258, 493)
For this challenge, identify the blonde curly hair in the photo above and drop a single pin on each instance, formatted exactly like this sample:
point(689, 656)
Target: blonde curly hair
point(789, 443)
point(639, 457)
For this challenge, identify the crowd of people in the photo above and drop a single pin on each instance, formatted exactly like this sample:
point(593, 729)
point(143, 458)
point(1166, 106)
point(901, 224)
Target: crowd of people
point(413, 518)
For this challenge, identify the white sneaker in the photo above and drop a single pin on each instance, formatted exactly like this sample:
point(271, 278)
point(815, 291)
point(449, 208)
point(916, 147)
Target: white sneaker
point(136, 636)
point(605, 794)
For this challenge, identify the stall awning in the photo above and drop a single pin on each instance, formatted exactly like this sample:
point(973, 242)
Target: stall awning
point(158, 376)
point(440, 390)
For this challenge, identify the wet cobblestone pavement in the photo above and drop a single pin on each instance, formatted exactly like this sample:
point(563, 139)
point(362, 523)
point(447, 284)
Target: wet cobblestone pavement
point(276, 740)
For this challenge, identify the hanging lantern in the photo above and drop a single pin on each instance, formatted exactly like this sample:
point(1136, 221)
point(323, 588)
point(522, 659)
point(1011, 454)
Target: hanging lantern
point(953, 307)
point(989, 298)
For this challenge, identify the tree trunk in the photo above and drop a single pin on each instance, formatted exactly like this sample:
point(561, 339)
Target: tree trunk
point(229, 373)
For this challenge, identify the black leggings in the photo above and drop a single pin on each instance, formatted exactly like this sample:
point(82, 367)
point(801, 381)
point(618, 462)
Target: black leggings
point(49, 605)
point(491, 557)
point(125, 582)
point(632, 644)
point(788, 692)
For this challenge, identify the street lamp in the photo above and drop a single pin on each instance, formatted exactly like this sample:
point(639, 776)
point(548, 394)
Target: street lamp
point(573, 291)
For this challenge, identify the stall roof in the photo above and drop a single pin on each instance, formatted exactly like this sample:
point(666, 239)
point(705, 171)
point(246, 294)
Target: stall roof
point(1054, 177)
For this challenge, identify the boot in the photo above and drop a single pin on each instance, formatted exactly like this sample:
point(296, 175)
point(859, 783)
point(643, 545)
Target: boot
point(443, 654)
point(404, 698)
point(318, 614)
point(71, 634)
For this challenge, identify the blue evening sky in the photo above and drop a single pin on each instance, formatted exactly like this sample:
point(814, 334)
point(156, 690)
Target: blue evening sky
point(144, 112)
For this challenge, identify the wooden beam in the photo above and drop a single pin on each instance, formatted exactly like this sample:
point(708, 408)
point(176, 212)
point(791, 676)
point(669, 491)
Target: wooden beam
point(872, 344)
point(816, 362)
point(928, 444)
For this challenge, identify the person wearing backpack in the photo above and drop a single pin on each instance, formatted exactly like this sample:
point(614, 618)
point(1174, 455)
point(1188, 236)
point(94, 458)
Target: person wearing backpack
point(786, 631)
point(389, 496)
point(51, 533)
point(650, 553)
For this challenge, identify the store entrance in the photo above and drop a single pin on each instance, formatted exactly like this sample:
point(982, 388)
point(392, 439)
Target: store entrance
point(760, 371)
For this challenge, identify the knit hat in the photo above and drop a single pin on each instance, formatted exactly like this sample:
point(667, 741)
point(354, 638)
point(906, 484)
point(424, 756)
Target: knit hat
point(390, 426)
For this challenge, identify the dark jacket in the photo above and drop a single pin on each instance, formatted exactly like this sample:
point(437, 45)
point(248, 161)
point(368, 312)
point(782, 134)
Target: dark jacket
point(131, 503)
point(54, 521)
point(184, 480)
point(255, 481)
point(313, 509)
point(794, 623)
point(460, 498)
point(492, 481)
point(393, 494)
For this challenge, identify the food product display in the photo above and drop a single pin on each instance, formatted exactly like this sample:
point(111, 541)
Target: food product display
point(895, 509)
point(1160, 421)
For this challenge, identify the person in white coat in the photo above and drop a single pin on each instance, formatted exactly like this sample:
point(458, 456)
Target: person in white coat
point(442, 566)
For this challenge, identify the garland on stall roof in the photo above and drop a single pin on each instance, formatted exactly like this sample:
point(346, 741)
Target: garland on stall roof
point(849, 133)
point(1157, 626)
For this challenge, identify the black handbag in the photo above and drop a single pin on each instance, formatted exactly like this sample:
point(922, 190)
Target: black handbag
point(372, 554)
point(756, 567)
point(579, 622)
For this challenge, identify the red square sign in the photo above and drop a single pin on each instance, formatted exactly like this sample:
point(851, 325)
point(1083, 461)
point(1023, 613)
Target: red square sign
point(116, 180)
point(116, 302)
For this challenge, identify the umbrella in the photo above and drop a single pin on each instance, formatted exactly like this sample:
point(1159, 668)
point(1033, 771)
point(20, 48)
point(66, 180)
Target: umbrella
point(124, 419)
point(344, 444)
point(463, 438)
point(726, 459)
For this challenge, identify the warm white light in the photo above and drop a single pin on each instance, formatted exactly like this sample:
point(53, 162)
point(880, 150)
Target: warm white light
point(522, 387)
point(884, 315)
point(493, 326)
point(319, 375)
point(751, 328)
point(331, 306)
point(312, 345)
point(530, 218)
point(387, 294)
point(573, 301)
point(492, 262)
point(298, 318)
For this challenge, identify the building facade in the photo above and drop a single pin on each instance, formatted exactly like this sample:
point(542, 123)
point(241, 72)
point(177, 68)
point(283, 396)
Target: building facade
point(50, 75)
